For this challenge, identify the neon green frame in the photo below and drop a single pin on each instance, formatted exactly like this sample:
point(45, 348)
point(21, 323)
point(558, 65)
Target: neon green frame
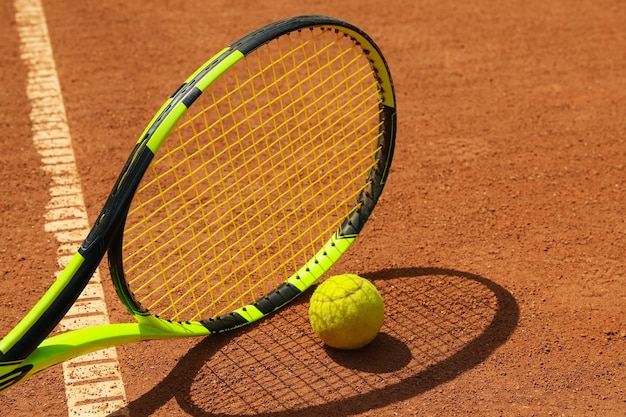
point(75, 343)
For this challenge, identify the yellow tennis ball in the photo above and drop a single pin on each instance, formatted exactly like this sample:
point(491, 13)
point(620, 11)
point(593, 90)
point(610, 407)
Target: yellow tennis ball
point(346, 311)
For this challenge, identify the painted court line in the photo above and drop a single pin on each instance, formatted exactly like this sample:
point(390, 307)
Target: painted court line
point(93, 383)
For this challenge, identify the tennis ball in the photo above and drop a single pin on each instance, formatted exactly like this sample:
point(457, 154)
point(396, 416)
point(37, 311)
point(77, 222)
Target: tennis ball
point(346, 311)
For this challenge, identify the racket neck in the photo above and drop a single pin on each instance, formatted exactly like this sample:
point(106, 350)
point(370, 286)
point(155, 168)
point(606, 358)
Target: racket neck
point(22, 340)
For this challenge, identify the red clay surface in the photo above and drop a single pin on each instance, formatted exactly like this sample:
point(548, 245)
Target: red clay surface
point(498, 244)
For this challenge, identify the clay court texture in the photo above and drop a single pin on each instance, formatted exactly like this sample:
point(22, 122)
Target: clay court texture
point(498, 245)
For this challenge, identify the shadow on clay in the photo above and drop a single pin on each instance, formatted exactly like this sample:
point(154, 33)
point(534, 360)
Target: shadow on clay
point(372, 359)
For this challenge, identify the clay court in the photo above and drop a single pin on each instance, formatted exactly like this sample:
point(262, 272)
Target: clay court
point(498, 244)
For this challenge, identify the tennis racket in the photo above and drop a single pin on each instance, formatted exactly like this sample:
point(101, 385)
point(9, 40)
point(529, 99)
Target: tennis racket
point(249, 183)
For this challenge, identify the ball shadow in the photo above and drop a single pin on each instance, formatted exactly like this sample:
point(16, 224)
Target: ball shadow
point(383, 354)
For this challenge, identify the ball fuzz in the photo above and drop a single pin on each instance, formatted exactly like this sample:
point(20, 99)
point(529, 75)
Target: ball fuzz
point(346, 311)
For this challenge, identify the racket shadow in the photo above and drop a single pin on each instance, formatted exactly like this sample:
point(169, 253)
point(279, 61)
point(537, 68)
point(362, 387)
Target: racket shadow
point(439, 324)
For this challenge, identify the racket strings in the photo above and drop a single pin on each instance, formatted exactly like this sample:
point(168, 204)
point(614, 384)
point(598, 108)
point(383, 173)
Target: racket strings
point(252, 182)
point(188, 214)
point(193, 172)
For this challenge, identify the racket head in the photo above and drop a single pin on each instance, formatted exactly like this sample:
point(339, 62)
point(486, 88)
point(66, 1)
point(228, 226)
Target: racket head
point(261, 170)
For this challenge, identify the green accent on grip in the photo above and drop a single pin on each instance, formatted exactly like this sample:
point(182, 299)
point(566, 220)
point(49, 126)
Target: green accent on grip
point(44, 303)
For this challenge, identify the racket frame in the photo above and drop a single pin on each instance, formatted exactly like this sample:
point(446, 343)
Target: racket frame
point(24, 351)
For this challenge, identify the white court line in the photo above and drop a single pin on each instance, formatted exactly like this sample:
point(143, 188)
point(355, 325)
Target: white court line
point(93, 383)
